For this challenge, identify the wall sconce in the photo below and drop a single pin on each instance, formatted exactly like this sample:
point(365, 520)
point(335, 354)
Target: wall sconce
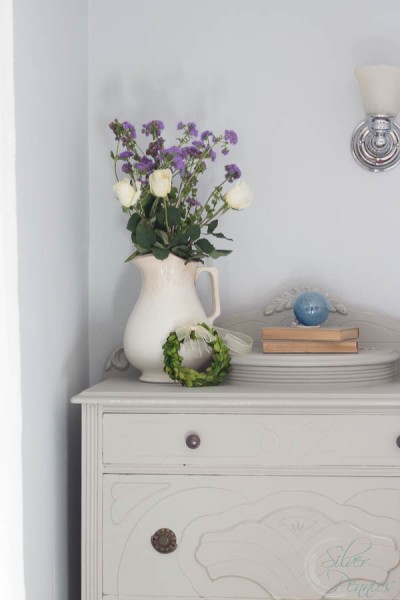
point(376, 141)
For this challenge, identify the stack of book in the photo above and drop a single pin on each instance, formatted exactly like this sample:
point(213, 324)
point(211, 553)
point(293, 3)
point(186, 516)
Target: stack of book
point(317, 340)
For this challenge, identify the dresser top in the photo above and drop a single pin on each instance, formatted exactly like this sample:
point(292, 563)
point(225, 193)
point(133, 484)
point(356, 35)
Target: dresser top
point(133, 395)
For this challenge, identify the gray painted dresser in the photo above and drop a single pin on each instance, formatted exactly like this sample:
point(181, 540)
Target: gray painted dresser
point(243, 491)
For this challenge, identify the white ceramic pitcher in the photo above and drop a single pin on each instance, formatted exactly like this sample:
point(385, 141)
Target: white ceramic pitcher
point(167, 300)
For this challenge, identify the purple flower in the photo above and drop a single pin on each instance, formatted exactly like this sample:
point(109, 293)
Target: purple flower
point(193, 151)
point(193, 202)
point(153, 128)
point(232, 172)
point(231, 136)
point(145, 165)
point(207, 150)
point(126, 168)
point(173, 150)
point(155, 148)
point(126, 154)
point(180, 164)
point(192, 129)
point(207, 134)
point(115, 127)
point(179, 155)
point(225, 151)
point(129, 127)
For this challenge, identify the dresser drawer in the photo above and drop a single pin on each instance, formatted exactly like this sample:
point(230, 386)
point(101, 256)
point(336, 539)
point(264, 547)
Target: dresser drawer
point(249, 537)
point(250, 440)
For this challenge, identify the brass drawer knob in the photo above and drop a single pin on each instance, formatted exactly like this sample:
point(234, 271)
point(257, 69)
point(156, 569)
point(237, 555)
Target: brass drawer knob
point(164, 541)
point(193, 441)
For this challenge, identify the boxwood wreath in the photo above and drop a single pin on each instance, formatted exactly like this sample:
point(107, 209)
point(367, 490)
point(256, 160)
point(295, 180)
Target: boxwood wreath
point(214, 374)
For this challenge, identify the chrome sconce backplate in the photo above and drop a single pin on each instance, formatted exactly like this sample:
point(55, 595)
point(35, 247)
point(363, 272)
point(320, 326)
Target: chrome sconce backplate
point(375, 144)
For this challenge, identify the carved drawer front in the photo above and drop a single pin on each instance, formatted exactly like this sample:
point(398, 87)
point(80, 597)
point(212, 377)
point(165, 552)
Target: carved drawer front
point(239, 440)
point(302, 538)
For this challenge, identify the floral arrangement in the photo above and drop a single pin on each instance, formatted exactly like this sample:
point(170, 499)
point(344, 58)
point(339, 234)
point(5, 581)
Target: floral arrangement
point(159, 190)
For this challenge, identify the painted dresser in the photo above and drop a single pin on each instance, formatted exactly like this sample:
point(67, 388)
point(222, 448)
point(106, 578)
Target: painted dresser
point(239, 492)
point(242, 491)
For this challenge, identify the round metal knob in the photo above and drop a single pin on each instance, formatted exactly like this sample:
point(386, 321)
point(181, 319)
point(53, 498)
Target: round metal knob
point(164, 541)
point(193, 441)
point(398, 441)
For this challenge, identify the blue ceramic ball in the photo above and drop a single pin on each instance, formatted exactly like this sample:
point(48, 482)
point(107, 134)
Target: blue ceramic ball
point(311, 308)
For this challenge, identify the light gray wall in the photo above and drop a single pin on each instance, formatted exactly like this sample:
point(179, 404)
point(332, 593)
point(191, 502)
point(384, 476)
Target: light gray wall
point(51, 121)
point(280, 73)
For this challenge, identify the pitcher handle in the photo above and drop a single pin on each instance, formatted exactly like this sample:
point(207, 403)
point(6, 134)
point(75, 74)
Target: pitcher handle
point(216, 305)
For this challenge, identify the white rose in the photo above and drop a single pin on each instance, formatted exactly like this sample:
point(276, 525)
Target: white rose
point(127, 194)
point(160, 182)
point(240, 196)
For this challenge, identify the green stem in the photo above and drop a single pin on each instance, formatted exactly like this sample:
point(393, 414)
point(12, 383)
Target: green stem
point(115, 162)
point(213, 192)
point(219, 212)
point(166, 214)
point(199, 161)
point(189, 164)
point(137, 145)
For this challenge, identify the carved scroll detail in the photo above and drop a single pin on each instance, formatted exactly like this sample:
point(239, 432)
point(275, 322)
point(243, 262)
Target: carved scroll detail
point(286, 301)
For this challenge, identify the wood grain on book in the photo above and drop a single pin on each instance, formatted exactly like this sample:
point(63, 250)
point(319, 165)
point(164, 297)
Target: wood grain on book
point(309, 347)
point(310, 333)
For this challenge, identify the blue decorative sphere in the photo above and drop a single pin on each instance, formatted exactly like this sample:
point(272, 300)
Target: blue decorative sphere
point(311, 308)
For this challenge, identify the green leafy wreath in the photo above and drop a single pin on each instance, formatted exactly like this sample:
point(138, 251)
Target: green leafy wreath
point(214, 374)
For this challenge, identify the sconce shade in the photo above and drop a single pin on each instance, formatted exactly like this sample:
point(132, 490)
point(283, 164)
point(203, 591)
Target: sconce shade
point(380, 89)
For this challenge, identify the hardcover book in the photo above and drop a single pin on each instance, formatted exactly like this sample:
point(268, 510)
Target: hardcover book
point(309, 346)
point(329, 334)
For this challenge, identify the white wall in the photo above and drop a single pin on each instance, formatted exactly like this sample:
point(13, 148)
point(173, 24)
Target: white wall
point(51, 121)
point(280, 73)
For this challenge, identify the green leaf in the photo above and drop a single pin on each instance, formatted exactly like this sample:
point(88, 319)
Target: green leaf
point(162, 236)
point(133, 222)
point(182, 251)
point(222, 236)
point(145, 235)
point(142, 250)
point(173, 213)
point(136, 253)
point(160, 253)
point(197, 256)
point(147, 202)
point(218, 253)
point(173, 193)
point(154, 208)
point(174, 216)
point(193, 232)
point(161, 217)
point(179, 239)
point(212, 226)
point(205, 246)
